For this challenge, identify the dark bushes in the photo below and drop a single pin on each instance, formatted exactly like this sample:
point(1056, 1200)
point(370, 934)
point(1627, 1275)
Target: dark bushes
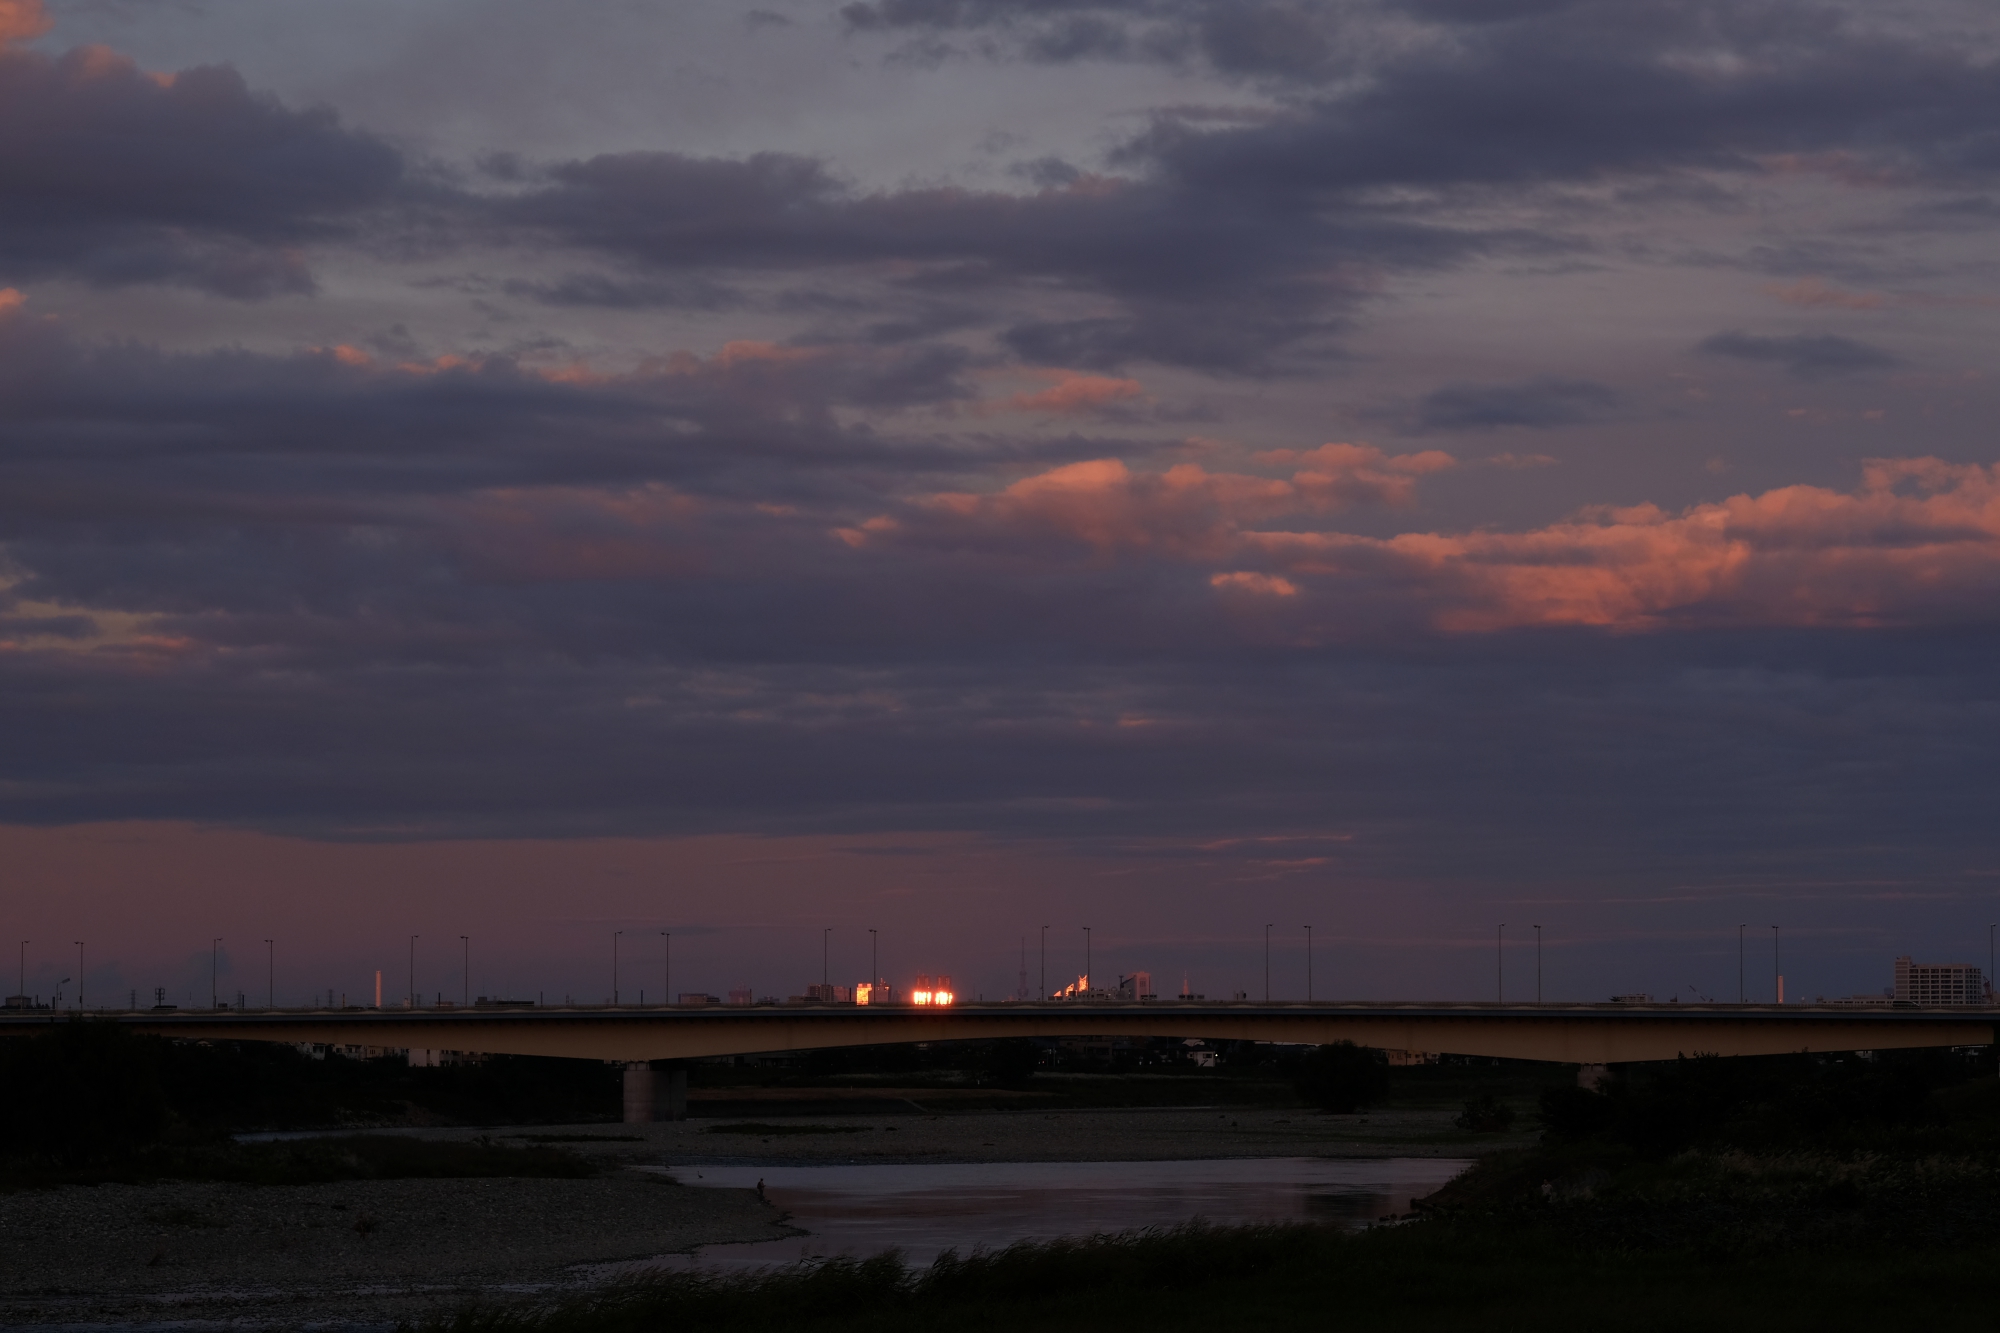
point(1343, 1078)
point(81, 1094)
point(1759, 1103)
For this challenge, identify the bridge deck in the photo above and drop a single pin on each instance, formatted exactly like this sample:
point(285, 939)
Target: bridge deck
point(1566, 1033)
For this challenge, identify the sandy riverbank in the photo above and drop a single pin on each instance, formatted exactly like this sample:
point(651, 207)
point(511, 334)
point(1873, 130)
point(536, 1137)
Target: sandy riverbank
point(367, 1253)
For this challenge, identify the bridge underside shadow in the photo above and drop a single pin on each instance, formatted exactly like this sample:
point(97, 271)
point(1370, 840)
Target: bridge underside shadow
point(1570, 1034)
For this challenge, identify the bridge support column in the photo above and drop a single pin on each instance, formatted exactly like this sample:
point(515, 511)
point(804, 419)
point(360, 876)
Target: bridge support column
point(654, 1094)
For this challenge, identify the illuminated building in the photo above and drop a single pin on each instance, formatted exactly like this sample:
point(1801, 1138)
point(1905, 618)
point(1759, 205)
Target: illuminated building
point(1939, 983)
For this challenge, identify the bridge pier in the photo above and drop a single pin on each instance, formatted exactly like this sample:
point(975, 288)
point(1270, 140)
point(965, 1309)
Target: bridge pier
point(655, 1094)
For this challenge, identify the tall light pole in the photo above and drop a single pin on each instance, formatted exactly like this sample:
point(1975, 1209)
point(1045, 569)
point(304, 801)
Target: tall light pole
point(1045, 964)
point(24, 965)
point(1740, 993)
point(1087, 983)
point(1989, 961)
point(79, 976)
point(1309, 964)
point(465, 972)
point(667, 969)
point(413, 970)
point(614, 965)
point(1500, 965)
point(874, 964)
point(214, 968)
point(270, 974)
point(1267, 962)
point(1538, 966)
point(1777, 974)
point(825, 952)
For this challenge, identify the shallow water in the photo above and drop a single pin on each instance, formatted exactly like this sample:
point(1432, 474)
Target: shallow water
point(924, 1210)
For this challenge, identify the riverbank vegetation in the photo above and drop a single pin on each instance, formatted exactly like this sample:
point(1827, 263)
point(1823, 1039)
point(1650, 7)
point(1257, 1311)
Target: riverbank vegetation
point(90, 1102)
point(1797, 1193)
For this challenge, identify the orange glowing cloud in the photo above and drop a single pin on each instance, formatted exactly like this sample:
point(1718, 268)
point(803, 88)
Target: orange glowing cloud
point(1187, 509)
point(1919, 540)
point(1070, 393)
point(22, 21)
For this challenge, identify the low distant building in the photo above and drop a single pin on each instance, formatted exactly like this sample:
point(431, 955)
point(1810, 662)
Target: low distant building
point(698, 998)
point(741, 996)
point(830, 994)
point(1939, 983)
point(1138, 986)
point(1636, 997)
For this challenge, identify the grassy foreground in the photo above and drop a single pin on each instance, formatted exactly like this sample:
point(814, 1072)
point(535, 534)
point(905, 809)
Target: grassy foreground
point(1433, 1274)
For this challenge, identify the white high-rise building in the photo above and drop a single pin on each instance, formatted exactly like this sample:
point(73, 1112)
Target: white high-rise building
point(1939, 983)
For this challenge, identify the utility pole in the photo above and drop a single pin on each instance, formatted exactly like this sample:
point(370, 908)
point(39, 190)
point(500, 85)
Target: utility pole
point(1267, 962)
point(465, 971)
point(667, 968)
point(79, 976)
point(270, 974)
point(1309, 964)
point(214, 968)
point(1739, 964)
point(1538, 966)
point(413, 970)
point(614, 965)
point(1500, 965)
point(1045, 965)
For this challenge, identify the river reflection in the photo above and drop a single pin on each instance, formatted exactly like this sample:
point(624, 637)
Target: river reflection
point(924, 1210)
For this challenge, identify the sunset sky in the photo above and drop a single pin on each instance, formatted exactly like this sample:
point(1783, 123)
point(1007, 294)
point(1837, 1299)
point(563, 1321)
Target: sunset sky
point(522, 471)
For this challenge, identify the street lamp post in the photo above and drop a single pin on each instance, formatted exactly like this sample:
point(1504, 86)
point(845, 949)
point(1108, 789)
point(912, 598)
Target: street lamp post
point(1267, 962)
point(874, 964)
point(1088, 985)
point(614, 965)
point(413, 970)
point(1045, 964)
point(1309, 964)
point(1777, 974)
point(667, 969)
point(825, 953)
point(214, 969)
point(465, 972)
point(24, 966)
point(79, 976)
point(1740, 992)
point(1538, 966)
point(1500, 965)
point(270, 974)
point(1989, 961)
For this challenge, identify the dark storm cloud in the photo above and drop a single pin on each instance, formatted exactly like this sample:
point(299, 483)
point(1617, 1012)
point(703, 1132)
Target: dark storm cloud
point(1807, 356)
point(113, 176)
point(1534, 403)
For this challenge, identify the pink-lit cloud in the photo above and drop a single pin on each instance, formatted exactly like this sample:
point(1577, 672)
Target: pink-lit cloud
point(22, 21)
point(1069, 393)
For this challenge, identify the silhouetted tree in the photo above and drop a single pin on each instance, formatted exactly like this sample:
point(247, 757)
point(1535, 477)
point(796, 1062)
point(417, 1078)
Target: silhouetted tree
point(1343, 1078)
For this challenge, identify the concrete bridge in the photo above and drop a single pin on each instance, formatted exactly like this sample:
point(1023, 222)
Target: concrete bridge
point(1562, 1033)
